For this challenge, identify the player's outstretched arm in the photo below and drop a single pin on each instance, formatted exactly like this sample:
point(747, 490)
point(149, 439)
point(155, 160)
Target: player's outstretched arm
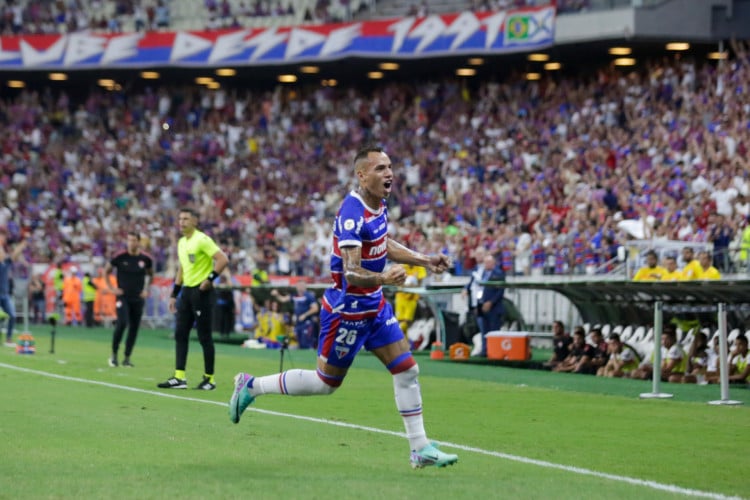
point(359, 276)
point(399, 253)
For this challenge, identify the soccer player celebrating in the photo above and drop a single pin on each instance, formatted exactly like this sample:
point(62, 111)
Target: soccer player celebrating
point(355, 313)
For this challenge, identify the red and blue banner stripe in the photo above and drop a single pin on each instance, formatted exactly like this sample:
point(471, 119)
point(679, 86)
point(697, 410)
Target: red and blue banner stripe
point(409, 37)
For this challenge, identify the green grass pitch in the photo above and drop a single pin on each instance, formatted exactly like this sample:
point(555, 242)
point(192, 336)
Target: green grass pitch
point(76, 428)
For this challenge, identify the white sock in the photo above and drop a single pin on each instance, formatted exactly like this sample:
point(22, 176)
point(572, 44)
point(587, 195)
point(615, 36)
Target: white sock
point(409, 404)
point(291, 382)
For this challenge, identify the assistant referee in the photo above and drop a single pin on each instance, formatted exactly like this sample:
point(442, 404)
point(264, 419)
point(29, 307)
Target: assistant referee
point(200, 263)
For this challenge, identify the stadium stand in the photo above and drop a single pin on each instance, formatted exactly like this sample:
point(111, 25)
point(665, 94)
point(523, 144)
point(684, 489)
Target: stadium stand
point(53, 16)
point(554, 175)
point(487, 178)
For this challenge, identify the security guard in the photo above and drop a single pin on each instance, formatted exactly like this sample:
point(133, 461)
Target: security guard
point(745, 247)
point(89, 295)
point(201, 261)
point(57, 280)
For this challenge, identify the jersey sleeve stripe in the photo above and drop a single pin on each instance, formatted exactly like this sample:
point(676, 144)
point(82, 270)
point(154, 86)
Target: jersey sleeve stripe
point(349, 243)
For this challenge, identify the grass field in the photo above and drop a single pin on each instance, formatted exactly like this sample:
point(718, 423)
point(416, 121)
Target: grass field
point(75, 428)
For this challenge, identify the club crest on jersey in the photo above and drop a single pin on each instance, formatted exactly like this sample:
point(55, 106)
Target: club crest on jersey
point(349, 224)
point(341, 351)
point(141, 264)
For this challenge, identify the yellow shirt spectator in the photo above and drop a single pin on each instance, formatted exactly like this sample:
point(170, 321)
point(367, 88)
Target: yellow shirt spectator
point(691, 270)
point(707, 271)
point(647, 273)
point(675, 275)
point(270, 323)
point(709, 274)
point(651, 271)
point(672, 273)
point(406, 303)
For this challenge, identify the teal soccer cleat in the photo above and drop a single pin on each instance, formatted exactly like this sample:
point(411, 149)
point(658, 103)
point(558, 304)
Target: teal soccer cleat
point(241, 397)
point(430, 455)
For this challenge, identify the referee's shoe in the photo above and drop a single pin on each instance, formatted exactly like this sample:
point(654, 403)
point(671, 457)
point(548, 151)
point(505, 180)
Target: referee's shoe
point(181, 383)
point(206, 384)
point(173, 383)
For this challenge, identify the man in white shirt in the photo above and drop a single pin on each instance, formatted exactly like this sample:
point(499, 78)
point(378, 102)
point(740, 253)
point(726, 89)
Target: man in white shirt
point(673, 360)
point(473, 290)
point(724, 196)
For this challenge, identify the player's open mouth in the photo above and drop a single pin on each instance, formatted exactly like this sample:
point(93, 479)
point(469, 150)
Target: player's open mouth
point(388, 184)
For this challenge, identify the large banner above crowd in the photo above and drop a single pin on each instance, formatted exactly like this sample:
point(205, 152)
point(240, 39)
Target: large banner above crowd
point(409, 37)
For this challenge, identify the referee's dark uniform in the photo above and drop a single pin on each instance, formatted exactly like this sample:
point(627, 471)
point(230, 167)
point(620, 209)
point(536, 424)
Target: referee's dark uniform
point(132, 269)
point(196, 252)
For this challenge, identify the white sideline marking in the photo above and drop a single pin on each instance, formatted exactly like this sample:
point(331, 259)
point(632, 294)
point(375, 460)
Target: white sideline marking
point(669, 488)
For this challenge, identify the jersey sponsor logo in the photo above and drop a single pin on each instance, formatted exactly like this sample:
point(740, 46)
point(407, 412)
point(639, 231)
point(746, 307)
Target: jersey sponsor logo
point(379, 228)
point(349, 224)
point(392, 320)
point(379, 249)
point(355, 324)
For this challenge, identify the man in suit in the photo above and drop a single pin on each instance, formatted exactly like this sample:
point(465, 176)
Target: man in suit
point(471, 292)
point(490, 302)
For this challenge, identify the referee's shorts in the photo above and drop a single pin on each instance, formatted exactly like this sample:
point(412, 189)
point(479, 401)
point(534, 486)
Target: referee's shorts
point(195, 307)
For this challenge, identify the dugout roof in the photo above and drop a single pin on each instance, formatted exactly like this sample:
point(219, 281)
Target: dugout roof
point(632, 302)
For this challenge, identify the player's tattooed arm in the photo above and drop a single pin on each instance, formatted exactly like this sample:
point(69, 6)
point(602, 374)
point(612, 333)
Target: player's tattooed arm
point(399, 253)
point(356, 275)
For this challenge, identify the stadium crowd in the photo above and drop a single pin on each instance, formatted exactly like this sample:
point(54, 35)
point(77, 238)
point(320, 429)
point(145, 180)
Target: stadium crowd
point(24, 17)
point(28, 17)
point(541, 173)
